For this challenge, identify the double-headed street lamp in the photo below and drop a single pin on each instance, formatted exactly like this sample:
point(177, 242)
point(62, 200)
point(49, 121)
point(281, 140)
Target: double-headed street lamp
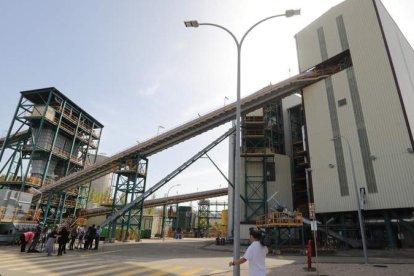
point(237, 161)
point(164, 211)
point(361, 221)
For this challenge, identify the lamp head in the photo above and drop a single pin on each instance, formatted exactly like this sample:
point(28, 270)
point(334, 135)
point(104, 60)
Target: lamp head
point(191, 24)
point(290, 13)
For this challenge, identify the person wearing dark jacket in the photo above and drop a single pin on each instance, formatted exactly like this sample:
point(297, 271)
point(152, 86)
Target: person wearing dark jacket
point(92, 236)
point(86, 244)
point(62, 240)
point(73, 235)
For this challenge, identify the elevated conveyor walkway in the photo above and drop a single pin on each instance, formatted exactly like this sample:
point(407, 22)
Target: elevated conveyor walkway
point(193, 128)
point(161, 201)
point(16, 138)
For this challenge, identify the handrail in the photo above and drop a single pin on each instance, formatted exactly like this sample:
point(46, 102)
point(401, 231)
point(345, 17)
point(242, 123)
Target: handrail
point(192, 128)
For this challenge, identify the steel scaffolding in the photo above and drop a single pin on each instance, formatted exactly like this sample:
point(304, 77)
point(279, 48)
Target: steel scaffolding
point(49, 138)
point(300, 159)
point(130, 184)
point(209, 211)
point(262, 137)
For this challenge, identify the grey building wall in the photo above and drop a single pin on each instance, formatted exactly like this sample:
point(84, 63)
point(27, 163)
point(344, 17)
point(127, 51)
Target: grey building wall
point(377, 114)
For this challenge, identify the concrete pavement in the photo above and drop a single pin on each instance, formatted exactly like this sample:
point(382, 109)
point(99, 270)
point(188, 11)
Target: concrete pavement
point(398, 262)
point(199, 257)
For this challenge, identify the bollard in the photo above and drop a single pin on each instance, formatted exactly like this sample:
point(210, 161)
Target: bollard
point(309, 254)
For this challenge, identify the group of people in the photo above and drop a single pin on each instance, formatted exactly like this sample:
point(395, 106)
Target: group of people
point(86, 239)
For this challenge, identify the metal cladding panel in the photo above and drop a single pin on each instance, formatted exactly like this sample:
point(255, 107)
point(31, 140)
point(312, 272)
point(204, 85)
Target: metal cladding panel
point(402, 55)
point(309, 54)
point(283, 184)
point(325, 180)
point(383, 118)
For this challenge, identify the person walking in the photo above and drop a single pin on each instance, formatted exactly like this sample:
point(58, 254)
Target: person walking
point(92, 236)
point(80, 237)
point(50, 242)
point(73, 235)
point(26, 238)
point(255, 254)
point(86, 238)
point(97, 236)
point(62, 240)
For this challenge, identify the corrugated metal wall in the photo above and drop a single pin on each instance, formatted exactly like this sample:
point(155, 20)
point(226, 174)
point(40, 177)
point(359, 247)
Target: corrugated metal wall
point(372, 118)
point(402, 56)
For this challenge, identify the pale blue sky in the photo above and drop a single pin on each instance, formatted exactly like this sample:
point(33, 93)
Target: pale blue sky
point(134, 66)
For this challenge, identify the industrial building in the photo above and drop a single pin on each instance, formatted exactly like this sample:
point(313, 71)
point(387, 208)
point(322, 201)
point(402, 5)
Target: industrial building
point(360, 118)
point(49, 138)
point(345, 120)
point(368, 110)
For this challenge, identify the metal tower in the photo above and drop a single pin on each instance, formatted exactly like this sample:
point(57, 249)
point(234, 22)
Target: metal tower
point(130, 184)
point(262, 137)
point(49, 137)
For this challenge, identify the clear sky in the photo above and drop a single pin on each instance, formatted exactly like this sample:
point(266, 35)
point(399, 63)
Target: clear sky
point(134, 66)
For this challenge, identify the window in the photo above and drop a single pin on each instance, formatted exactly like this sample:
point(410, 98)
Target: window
point(341, 102)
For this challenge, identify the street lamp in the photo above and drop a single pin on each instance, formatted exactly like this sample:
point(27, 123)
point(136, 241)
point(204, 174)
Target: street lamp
point(168, 192)
point(237, 161)
point(164, 211)
point(225, 99)
point(158, 130)
point(361, 222)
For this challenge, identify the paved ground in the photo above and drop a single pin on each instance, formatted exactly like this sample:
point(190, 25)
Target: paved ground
point(342, 263)
point(193, 257)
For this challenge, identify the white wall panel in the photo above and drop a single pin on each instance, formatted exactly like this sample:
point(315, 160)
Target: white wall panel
point(383, 118)
point(402, 56)
point(283, 185)
point(310, 55)
point(325, 179)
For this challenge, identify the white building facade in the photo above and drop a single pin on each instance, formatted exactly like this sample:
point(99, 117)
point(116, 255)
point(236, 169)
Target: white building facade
point(370, 105)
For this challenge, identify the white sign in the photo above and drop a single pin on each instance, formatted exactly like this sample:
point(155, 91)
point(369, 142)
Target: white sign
point(314, 225)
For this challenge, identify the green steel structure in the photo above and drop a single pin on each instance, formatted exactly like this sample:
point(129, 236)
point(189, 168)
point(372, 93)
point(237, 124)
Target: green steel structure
point(49, 138)
point(262, 136)
point(130, 183)
point(300, 160)
point(209, 212)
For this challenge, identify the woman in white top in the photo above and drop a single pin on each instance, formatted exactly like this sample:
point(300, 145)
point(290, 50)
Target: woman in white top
point(255, 254)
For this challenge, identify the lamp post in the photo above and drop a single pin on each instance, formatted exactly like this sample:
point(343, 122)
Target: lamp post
point(237, 161)
point(158, 130)
point(164, 211)
point(361, 222)
point(225, 99)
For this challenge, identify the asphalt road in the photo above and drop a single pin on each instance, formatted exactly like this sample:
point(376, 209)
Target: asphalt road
point(149, 257)
point(191, 257)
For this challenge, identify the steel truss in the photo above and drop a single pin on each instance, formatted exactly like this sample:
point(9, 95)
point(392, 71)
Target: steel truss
point(130, 184)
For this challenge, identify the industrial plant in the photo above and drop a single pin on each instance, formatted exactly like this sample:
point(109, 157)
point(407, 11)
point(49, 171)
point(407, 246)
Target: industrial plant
point(333, 144)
